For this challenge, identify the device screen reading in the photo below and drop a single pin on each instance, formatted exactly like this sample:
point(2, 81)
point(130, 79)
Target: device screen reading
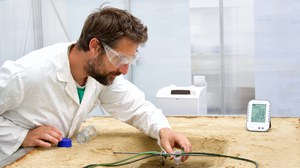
point(258, 113)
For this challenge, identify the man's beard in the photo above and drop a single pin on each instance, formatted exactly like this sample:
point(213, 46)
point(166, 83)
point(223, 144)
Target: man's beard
point(96, 69)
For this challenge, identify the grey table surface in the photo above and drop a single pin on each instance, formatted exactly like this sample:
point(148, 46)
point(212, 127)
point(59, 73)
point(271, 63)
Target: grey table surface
point(18, 154)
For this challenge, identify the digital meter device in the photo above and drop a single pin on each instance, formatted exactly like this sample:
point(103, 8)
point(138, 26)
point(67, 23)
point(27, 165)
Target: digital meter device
point(258, 115)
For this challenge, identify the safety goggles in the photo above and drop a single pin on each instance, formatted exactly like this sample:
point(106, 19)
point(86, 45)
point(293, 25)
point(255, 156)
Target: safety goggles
point(118, 58)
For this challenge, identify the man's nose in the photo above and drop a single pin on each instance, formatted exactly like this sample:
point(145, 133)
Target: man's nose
point(124, 68)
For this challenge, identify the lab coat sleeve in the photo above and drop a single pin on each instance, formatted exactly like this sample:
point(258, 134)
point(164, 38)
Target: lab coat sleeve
point(126, 102)
point(11, 95)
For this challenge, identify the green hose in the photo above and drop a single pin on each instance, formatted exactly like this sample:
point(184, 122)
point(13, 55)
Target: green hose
point(149, 154)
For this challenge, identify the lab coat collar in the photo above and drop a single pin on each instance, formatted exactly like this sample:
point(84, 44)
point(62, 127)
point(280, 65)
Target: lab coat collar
point(63, 72)
point(63, 69)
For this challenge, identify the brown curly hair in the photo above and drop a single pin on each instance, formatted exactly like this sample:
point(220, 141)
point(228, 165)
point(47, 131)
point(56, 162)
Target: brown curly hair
point(109, 25)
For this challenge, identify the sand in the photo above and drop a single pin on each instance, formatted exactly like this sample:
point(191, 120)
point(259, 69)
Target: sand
point(279, 147)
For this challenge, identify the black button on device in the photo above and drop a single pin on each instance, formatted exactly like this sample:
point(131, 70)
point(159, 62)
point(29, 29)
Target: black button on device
point(180, 92)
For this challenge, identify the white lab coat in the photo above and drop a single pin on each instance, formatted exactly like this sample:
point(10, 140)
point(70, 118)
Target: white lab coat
point(38, 89)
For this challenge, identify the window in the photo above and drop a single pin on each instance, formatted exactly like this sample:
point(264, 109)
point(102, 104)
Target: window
point(246, 49)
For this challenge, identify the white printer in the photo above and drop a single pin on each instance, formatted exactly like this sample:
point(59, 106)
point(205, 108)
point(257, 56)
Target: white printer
point(182, 101)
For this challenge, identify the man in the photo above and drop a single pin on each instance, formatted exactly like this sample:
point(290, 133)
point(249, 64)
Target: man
point(47, 94)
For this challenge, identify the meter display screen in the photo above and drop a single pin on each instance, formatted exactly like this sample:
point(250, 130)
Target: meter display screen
point(258, 113)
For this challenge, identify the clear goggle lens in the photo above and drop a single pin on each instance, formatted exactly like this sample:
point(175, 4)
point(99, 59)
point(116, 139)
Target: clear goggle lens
point(118, 58)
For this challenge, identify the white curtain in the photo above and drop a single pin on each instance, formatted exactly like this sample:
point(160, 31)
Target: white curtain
point(16, 37)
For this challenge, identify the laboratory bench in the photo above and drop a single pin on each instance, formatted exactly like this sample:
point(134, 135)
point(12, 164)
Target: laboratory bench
point(224, 135)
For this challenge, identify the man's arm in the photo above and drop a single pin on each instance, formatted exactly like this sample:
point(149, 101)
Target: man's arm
point(127, 103)
point(11, 95)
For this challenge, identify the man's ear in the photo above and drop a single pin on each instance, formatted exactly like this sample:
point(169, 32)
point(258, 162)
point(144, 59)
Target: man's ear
point(94, 46)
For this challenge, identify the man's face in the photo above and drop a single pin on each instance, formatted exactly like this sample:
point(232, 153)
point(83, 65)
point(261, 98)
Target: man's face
point(100, 71)
point(102, 68)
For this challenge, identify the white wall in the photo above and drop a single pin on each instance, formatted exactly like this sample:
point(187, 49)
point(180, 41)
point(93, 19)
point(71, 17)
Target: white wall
point(277, 56)
point(166, 58)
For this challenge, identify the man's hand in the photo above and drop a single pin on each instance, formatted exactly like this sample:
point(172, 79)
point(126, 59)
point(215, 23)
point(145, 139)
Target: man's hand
point(42, 136)
point(170, 139)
